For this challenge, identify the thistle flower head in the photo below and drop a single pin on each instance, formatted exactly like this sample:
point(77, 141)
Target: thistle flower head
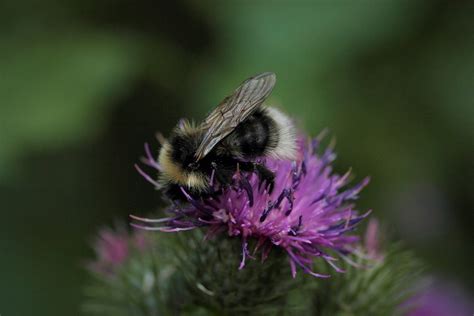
point(310, 212)
point(440, 298)
point(113, 248)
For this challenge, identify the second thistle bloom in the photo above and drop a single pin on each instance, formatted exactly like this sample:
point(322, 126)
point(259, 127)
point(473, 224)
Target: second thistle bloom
point(310, 213)
point(114, 247)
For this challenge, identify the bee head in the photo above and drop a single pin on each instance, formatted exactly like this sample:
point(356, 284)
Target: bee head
point(184, 142)
point(177, 158)
point(193, 166)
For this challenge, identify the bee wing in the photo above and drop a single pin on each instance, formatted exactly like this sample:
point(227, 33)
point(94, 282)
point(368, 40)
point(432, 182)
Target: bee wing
point(234, 109)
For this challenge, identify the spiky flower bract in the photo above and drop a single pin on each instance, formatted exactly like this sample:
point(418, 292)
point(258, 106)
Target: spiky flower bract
point(388, 277)
point(309, 214)
point(132, 275)
point(181, 275)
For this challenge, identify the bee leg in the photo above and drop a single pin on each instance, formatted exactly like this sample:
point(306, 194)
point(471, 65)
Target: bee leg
point(173, 193)
point(223, 176)
point(263, 172)
point(266, 175)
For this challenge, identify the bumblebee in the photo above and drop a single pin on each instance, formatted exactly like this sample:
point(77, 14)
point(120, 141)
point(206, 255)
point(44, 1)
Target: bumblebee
point(236, 135)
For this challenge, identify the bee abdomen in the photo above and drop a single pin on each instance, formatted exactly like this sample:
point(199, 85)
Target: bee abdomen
point(252, 137)
point(283, 136)
point(267, 132)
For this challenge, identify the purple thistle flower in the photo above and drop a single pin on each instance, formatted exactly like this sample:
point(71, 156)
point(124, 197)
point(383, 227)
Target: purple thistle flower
point(441, 299)
point(309, 214)
point(113, 248)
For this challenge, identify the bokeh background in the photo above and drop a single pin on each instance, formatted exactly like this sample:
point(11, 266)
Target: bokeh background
point(83, 84)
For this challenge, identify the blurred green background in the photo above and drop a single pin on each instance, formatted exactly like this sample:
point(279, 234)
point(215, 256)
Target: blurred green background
point(83, 84)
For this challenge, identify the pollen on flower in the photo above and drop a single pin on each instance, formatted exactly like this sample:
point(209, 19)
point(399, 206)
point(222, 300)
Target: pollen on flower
point(310, 213)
